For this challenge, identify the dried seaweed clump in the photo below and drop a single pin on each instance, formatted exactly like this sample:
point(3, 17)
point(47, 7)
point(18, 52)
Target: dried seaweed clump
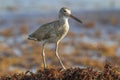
point(110, 72)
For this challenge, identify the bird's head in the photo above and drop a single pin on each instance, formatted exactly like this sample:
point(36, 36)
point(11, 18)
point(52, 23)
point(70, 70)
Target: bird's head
point(65, 12)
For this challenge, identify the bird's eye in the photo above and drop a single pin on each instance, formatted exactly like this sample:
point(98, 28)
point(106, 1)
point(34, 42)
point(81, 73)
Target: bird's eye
point(65, 11)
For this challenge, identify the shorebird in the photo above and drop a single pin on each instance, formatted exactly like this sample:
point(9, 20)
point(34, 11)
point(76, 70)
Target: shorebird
point(53, 32)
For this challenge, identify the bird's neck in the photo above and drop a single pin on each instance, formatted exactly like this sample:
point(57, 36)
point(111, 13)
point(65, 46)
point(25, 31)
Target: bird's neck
point(63, 19)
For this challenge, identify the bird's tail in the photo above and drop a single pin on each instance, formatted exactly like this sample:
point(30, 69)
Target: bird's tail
point(30, 37)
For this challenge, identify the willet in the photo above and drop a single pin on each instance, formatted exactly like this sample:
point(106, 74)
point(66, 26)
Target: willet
point(54, 32)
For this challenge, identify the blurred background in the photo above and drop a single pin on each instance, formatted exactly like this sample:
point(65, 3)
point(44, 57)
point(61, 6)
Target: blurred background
point(89, 44)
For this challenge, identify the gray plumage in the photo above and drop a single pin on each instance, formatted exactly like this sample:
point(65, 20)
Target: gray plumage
point(53, 32)
point(50, 32)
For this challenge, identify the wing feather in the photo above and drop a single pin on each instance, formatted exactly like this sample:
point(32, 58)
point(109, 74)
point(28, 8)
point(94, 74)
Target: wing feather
point(44, 31)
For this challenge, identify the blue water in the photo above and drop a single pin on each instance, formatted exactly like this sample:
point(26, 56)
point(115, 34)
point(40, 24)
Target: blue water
point(49, 6)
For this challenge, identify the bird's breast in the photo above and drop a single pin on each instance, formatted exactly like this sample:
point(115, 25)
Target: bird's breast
point(66, 27)
point(63, 30)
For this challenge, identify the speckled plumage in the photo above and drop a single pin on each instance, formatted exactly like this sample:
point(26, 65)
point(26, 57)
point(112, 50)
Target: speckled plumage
point(53, 32)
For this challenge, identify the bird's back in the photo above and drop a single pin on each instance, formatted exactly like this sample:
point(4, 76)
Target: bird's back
point(44, 31)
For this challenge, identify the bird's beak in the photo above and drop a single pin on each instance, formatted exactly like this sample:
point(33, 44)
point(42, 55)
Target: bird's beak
point(75, 18)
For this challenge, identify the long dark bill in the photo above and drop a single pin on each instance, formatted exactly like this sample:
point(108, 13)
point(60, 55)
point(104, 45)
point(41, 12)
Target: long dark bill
point(75, 18)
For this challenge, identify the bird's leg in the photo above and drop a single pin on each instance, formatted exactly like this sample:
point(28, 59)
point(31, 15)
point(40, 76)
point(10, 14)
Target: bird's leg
point(43, 56)
point(56, 52)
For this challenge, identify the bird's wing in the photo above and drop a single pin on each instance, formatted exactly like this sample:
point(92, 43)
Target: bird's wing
point(44, 31)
